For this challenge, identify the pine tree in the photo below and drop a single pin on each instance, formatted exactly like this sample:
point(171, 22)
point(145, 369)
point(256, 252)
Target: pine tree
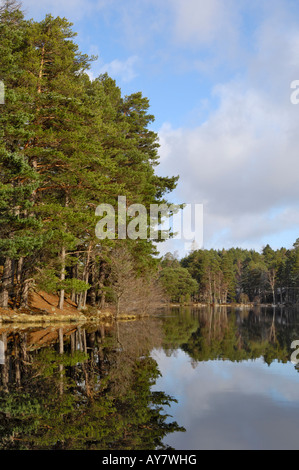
point(19, 236)
point(67, 145)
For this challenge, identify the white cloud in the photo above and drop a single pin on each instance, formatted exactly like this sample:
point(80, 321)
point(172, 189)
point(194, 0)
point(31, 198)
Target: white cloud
point(242, 162)
point(204, 22)
point(123, 69)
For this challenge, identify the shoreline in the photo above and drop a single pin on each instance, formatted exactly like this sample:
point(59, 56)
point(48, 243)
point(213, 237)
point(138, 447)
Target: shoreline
point(65, 318)
point(235, 305)
point(43, 309)
point(11, 316)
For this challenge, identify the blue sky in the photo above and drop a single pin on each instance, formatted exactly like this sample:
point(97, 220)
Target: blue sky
point(217, 74)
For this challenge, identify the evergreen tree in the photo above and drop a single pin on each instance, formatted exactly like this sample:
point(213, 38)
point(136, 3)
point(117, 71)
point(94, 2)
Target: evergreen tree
point(68, 144)
point(20, 234)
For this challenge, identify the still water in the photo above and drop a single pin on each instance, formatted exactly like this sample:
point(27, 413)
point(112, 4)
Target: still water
point(185, 379)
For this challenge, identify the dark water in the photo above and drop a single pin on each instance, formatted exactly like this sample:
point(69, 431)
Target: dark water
point(184, 379)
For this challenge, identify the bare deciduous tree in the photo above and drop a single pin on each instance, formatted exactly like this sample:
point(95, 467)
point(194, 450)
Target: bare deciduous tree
point(132, 292)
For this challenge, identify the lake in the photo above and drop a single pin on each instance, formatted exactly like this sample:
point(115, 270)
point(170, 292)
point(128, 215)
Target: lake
point(183, 379)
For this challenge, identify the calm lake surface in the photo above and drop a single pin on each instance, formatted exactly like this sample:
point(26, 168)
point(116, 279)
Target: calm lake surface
point(185, 379)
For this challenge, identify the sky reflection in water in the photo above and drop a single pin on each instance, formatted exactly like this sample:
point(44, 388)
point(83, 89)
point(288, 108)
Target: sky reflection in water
point(231, 405)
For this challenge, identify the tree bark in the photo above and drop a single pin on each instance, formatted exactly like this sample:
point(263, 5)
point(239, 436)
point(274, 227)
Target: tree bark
point(101, 285)
point(86, 272)
point(93, 294)
point(41, 68)
point(6, 279)
point(62, 278)
point(63, 264)
point(24, 297)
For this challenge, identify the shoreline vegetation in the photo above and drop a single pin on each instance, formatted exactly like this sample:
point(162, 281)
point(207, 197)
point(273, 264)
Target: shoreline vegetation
point(43, 310)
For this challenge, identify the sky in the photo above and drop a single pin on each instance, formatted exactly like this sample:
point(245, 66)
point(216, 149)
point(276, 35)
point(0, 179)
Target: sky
point(218, 75)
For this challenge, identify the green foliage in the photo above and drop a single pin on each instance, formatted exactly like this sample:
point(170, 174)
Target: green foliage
point(239, 275)
point(178, 283)
point(67, 144)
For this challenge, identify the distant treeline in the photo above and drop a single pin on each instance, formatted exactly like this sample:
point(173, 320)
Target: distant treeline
point(234, 275)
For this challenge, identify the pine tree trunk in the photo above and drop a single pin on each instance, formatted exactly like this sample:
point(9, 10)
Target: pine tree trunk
point(19, 278)
point(101, 286)
point(41, 69)
point(86, 273)
point(24, 294)
point(62, 278)
point(74, 295)
point(93, 296)
point(63, 264)
point(79, 301)
point(6, 279)
point(92, 292)
point(102, 300)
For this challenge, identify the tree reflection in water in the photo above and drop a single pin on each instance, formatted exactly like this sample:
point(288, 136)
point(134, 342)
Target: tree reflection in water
point(91, 387)
point(82, 388)
point(234, 334)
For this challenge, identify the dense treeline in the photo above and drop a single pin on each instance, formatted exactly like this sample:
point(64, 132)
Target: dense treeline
point(240, 275)
point(68, 144)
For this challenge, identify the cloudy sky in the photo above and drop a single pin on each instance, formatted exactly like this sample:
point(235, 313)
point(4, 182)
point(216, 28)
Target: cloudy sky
point(218, 75)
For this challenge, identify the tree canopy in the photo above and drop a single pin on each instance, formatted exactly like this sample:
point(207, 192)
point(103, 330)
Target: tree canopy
point(67, 144)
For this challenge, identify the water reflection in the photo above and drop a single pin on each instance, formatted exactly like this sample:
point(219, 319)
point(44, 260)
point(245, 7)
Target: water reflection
point(234, 382)
point(231, 333)
point(82, 388)
point(204, 378)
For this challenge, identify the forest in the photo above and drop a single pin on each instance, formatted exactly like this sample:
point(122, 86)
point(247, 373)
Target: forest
point(69, 143)
point(235, 275)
